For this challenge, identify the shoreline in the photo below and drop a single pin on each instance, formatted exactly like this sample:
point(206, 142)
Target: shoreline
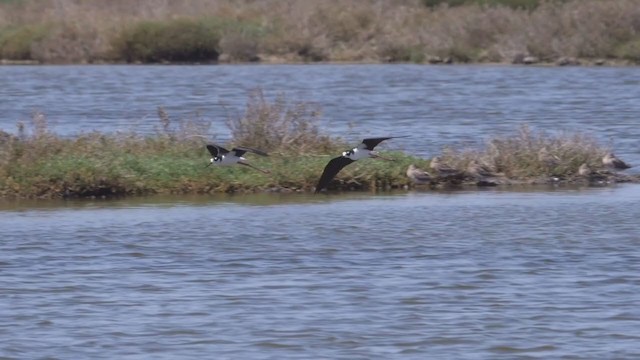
point(351, 185)
point(557, 63)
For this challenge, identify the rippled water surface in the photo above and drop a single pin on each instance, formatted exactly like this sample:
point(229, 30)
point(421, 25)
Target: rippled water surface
point(437, 105)
point(537, 273)
point(473, 275)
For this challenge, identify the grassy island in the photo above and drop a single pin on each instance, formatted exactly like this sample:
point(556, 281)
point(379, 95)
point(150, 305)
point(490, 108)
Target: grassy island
point(36, 163)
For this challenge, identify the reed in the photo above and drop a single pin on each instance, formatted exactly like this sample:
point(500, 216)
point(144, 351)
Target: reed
point(531, 155)
point(333, 30)
point(281, 126)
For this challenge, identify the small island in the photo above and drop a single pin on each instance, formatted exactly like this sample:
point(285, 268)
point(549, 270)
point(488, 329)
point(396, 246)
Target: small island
point(37, 163)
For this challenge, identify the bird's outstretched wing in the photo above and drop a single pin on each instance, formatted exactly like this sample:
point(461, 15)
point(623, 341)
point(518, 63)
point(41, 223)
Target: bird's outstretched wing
point(240, 150)
point(370, 143)
point(331, 170)
point(216, 150)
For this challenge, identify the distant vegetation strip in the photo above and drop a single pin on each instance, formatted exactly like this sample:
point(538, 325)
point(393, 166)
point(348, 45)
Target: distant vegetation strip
point(420, 31)
point(36, 163)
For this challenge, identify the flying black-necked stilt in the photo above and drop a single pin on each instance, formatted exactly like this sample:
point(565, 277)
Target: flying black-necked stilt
point(418, 176)
point(224, 157)
point(362, 151)
point(612, 162)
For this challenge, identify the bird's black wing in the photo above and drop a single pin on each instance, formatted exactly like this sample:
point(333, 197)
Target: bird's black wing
point(370, 143)
point(216, 150)
point(331, 170)
point(240, 150)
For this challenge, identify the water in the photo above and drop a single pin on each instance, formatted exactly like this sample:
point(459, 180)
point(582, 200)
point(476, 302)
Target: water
point(468, 275)
point(514, 273)
point(437, 105)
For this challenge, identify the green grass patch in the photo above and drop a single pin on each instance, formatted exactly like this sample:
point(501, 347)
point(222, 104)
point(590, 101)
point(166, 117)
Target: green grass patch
point(179, 40)
point(188, 40)
point(16, 41)
point(514, 4)
point(629, 51)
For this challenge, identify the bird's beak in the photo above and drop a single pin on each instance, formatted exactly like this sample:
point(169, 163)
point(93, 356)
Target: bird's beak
point(209, 164)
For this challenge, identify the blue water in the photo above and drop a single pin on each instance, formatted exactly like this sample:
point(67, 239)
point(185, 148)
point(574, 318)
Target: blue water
point(438, 105)
point(509, 273)
point(466, 275)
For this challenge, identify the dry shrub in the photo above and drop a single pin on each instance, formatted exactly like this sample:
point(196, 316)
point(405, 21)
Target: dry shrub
point(387, 30)
point(241, 41)
point(530, 153)
point(277, 126)
point(66, 43)
point(583, 29)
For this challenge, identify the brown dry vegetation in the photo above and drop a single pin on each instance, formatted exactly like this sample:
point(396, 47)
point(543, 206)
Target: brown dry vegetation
point(531, 156)
point(334, 30)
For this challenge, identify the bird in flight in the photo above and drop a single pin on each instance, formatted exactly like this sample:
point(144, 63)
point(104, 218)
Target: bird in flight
point(224, 157)
point(362, 151)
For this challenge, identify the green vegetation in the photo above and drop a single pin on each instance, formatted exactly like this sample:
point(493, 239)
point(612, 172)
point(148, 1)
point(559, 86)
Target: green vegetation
point(36, 163)
point(514, 4)
point(67, 31)
point(629, 51)
point(15, 42)
point(187, 40)
point(179, 40)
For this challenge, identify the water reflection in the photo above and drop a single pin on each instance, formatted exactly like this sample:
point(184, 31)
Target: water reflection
point(275, 198)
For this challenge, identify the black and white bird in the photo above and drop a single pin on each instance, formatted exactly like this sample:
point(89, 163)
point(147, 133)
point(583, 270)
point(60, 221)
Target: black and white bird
point(224, 157)
point(362, 151)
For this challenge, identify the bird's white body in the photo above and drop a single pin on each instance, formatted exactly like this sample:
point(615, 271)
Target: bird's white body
point(224, 157)
point(226, 160)
point(357, 154)
point(363, 151)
